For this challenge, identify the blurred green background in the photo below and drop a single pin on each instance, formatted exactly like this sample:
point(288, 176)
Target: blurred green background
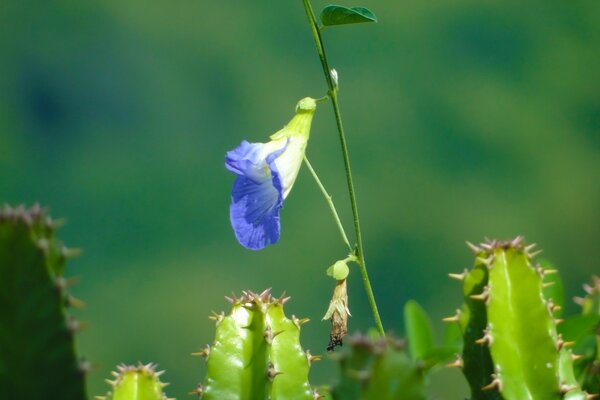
point(464, 119)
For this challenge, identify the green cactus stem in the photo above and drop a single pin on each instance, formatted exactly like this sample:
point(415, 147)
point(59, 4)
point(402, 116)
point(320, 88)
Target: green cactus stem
point(378, 369)
point(585, 330)
point(257, 353)
point(37, 356)
point(511, 346)
point(141, 382)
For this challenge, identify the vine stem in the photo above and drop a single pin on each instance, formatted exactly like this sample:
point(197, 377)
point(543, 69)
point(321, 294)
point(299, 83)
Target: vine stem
point(316, 33)
point(331, 205)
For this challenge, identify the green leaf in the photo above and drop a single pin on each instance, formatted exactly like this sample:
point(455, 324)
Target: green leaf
point(418, 330)
point(339, 15)
point(453, 337)
point(439, 355)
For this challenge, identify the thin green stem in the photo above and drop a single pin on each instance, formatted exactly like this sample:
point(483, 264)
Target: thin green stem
point(316, 33)
point(336, 217)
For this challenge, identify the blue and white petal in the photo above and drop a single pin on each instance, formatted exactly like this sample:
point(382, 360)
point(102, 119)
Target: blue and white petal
point(257, 195)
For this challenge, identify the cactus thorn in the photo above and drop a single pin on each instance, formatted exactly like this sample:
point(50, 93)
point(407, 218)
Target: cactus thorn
point(565, 388)
point(299, 322)
point(265, 296)
point(111, 383)
point(271, 372)
point(70, 252)
point(205, 352)
point(75, 326)
point(488, 245)
point(459, 277)
point(454, 318)
point(534, 254)
point(485, 339)
point(588, 289)
point(576, 357)
point(579, 300)
point(458, 363)
point(85, 366)
point(555, 307)
point(589, 396)
point(483, 296)
point(312, 358)
point(75, 302)
point(43, 244)
point(560, 343)
point(518, 241)
point(198, 391)
point(232, 300)
point(530, 247)
point(217, 317)
point(545, 271)
point(495, 384)
point(548, 284)
point(558, 321)
point(473, 248)
point(316, 396)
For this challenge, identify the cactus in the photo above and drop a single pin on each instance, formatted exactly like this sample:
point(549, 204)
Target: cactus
point(378, 369)
point(584, 330)
point(511, 346)
point(136, 383)
point(36, 334)
point(256, 353)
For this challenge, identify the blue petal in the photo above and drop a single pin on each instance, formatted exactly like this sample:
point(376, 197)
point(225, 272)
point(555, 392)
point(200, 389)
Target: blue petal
point(245, 160)
point(254, 211)
point(257, 195)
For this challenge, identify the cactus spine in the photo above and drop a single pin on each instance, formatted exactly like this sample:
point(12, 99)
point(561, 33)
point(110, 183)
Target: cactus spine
point(256, 353)
point(36, 334)
point(136, 383)
point(511, 347)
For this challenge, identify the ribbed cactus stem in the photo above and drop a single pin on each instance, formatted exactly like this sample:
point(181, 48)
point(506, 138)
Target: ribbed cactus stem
point(511, 347)
point(37, 357)
point(588, 344)
point(257, 353)
point(378, 369)
point(141, 382)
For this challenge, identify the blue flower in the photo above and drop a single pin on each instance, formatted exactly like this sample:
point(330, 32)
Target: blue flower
point(266, 173)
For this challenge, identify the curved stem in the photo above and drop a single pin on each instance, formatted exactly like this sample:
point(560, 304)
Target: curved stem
point(338, 119)
point(330, 202)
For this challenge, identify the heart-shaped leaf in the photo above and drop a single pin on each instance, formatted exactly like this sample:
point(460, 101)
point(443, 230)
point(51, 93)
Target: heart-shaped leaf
point(340, 15)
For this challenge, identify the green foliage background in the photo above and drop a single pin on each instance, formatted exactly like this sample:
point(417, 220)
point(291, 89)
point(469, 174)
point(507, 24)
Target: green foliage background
point(464, 119)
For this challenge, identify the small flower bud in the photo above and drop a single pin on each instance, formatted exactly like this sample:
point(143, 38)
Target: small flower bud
point(338, 271)
point(334, 78)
